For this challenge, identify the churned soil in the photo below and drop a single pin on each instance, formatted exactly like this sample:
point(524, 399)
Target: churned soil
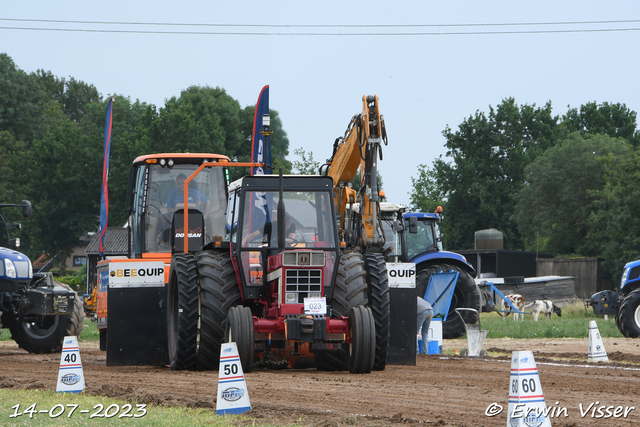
point(439, 390)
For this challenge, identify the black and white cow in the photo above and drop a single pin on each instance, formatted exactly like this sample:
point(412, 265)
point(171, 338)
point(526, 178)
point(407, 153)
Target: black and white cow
point(545, 307)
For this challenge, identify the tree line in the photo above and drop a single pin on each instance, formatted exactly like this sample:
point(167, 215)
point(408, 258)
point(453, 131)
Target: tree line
point(559, 184)
point(52, 143)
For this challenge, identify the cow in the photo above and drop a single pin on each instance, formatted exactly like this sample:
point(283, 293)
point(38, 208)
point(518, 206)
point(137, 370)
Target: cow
point(545, 307)
point(517, 301)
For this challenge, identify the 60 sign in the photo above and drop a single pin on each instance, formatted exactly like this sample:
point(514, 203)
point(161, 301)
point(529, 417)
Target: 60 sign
point(528, 385)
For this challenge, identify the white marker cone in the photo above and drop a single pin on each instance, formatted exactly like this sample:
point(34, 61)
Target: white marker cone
point(597, 353)
point(526, 401)
point(70, 377)
point(233, 397)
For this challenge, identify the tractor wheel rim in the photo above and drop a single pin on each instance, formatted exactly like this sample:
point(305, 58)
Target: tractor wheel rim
point(636, 316)
point(37, 332)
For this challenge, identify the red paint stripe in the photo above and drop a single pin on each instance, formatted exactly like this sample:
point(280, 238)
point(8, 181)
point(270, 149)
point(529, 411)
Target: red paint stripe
point(526, 397)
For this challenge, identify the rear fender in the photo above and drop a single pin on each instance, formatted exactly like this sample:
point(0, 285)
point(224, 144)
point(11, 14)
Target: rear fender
point(444, 257)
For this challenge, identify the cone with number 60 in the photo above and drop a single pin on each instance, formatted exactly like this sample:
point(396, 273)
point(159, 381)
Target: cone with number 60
point(526, 401)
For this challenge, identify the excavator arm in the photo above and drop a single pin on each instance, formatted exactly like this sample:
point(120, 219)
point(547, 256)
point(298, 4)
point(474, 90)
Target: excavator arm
point(359, 149)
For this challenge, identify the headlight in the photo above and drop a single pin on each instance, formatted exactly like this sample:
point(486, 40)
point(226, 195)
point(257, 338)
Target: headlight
point(30, 270)
point(291, 297)
point(625, 274)
point(314, 294)
point(10, 269)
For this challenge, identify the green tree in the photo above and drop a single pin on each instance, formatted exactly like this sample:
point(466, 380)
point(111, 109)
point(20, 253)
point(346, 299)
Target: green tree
point(426, 195)
point(64, 189)
point(72, 95)
point(306, 165)
point(615, 120)
point(23, 102)
point(614, 222)
point(561, 184)
point(129, 139)
point(488, 154)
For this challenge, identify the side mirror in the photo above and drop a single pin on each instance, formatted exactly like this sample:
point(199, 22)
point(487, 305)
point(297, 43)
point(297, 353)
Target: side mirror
point(26, 209)
point(397, 226)
point(413, 225)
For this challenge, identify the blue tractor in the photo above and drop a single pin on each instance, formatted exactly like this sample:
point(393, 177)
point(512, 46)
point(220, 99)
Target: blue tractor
point(38, 311)
point(415, 237)
point(624, 306)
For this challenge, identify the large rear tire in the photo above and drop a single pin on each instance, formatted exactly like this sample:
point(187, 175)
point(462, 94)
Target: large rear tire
point(362, 348)
point(350, 291)
point(239, 329)
point(219, 291)
point(629, 315)
point(465, 295)
point(47, 335)
point(182, 307)
point(380, 303)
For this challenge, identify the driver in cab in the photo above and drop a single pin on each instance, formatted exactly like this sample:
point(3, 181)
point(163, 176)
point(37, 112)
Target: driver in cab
point(290, 231)
point(177, 197)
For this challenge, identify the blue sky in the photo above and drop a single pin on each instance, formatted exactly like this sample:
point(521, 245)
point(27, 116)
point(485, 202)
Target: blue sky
point(425, 81)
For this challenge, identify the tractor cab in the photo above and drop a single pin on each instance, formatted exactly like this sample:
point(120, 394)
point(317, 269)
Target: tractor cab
point(156, 193)
point(303, 250)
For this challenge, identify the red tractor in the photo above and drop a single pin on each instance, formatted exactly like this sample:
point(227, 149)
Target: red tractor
point(274, 277)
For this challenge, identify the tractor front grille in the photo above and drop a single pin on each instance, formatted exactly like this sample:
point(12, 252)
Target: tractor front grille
point(22, 268)
point(312, 259)
point(303, 282)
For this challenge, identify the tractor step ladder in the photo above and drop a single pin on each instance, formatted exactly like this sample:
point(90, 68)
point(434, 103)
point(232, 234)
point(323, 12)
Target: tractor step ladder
point(475, 334)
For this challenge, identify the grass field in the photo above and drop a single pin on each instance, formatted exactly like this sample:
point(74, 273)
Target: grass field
point(105, 411)
point(574, 323)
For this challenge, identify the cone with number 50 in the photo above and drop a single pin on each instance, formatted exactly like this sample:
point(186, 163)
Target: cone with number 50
point(233, 397)
point(526, 401)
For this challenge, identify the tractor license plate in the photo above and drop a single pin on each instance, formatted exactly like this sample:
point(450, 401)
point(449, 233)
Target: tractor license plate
point(315, 305)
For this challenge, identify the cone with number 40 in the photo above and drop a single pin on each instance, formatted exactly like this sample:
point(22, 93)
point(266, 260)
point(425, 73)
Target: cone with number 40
point(70, 377)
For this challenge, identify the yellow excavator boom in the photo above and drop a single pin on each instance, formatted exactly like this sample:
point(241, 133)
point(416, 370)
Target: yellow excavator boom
point(359, 150)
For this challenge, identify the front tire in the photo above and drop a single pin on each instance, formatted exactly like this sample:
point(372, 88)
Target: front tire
point(182, 307)
point(219, 291)
point(239, 329)
point(363, 340)
point(380, 303)
point(629, 315)
point(47, 335)
point(465, 295)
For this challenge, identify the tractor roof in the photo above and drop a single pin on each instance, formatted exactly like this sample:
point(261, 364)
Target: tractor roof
point(182, 157)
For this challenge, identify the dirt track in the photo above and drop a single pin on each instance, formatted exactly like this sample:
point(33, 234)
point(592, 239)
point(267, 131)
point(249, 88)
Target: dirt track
point(439, 391)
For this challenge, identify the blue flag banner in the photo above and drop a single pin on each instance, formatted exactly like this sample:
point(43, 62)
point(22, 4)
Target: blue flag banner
point(260, 212)
point(260, 143)
point(104, 198)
